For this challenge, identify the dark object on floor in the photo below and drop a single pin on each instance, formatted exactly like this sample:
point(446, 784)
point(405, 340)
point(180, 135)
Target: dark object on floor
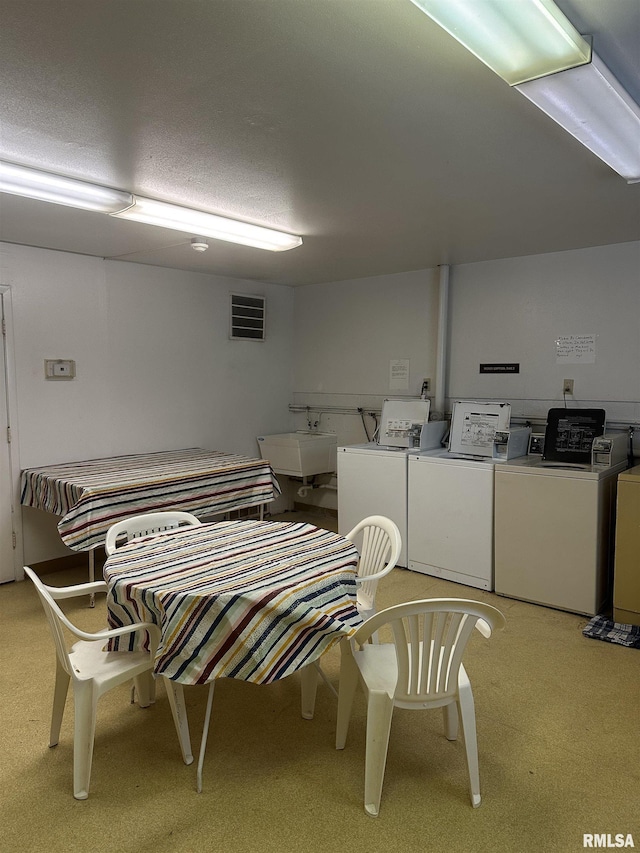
point(601, 628)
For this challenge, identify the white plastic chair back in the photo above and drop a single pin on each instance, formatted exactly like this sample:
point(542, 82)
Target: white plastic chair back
point(420, 669)
point(379, 542)
point(145, 525)
point(430, 638)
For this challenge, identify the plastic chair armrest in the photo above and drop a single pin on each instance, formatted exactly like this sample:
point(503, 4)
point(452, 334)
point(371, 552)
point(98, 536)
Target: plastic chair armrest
point(483, 627)
point(77, 590)
point(109, 633)
point(374, 577)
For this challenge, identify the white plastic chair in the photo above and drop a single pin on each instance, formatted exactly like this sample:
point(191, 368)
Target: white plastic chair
point(145, 525)
point(134, 527)
point(380, 547)
point(421, 669)
point(379, 553)
point(93, 672)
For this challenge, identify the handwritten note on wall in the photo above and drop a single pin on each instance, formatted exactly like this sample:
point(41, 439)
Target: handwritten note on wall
point(576, 349)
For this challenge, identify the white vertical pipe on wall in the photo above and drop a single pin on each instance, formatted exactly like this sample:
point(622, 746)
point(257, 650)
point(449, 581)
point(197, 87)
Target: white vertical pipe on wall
point(441, 352)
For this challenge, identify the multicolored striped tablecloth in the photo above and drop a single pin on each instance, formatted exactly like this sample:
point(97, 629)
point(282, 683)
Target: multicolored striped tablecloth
point(253, 600)
point(91, 496)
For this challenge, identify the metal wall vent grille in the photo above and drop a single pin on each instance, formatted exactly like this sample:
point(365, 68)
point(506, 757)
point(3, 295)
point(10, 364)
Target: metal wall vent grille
point(247, 317)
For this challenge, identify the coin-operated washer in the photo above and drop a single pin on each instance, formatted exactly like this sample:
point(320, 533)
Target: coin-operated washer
point(450, 496)
point(554, 514)
point(372, 477)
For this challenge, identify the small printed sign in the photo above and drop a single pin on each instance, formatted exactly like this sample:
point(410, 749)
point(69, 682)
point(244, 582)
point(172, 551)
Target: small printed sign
point(502, 367)
point(399, 374)
point(576, 349)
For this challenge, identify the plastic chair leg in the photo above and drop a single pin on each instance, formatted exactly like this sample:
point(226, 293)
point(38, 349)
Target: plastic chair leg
point(59, 700)
point(309, 688)
point(175, 695)
point(145, 687)
point(468, 718)
point(205, 733)
point(450, 716)
point(379, 715)
point(349, 677)
point(85, 706)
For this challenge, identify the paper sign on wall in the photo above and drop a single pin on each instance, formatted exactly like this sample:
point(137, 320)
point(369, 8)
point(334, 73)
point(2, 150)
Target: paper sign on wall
point(399, 374)
point(576, 349)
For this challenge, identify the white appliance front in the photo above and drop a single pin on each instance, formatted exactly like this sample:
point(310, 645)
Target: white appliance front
point(553, 534)
point(372, 480)
point(450, 518)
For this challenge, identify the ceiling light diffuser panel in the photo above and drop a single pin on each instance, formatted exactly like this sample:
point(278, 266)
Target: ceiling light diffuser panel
point(43, 186)
point(591, 105)
point(184, 219)
point(518, 39)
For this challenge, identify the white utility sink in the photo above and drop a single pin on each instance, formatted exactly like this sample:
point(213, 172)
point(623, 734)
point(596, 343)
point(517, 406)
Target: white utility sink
point(300, 454)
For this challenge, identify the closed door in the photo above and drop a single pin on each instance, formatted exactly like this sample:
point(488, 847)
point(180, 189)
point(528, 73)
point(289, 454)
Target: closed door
point(7, 541)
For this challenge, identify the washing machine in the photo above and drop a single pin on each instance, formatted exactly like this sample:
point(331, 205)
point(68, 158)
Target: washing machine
point(450, 494)
point(372, 477)
point(554, 524)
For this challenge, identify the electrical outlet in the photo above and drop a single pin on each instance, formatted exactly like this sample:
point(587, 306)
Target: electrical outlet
point(567, 386)
point(426, 387)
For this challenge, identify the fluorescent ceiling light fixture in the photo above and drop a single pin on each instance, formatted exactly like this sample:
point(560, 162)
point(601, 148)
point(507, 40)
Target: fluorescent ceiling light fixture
point(43, 186)
point(204, 224)
point(591, 105)
point(518, 39)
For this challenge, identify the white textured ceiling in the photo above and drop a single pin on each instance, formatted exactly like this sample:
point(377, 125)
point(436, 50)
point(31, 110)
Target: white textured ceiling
point(358, 124)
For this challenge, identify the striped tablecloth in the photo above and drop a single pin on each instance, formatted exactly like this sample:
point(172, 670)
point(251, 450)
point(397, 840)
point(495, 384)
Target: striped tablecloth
point(90, 496)
point(253, 600)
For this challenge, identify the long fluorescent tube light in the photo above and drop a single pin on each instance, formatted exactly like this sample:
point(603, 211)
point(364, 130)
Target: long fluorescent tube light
point(204, 224)
point(591, 105)
point(518, 39)
point(43, 186)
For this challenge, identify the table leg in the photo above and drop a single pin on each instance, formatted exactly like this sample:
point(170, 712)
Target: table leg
point(205, 734)
point(309, 684)
point(175, 695)
point(92, 576)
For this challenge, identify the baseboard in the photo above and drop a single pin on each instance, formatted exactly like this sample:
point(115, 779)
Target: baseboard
point(314, 509)
point(70, 561)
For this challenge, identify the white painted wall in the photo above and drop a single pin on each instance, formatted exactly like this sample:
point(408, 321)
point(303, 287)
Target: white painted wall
point(347, 333)
point(513, 310)
point(509, 310)
point(155, 367)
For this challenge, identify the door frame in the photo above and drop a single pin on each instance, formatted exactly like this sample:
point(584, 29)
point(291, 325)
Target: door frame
point(7, 341)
